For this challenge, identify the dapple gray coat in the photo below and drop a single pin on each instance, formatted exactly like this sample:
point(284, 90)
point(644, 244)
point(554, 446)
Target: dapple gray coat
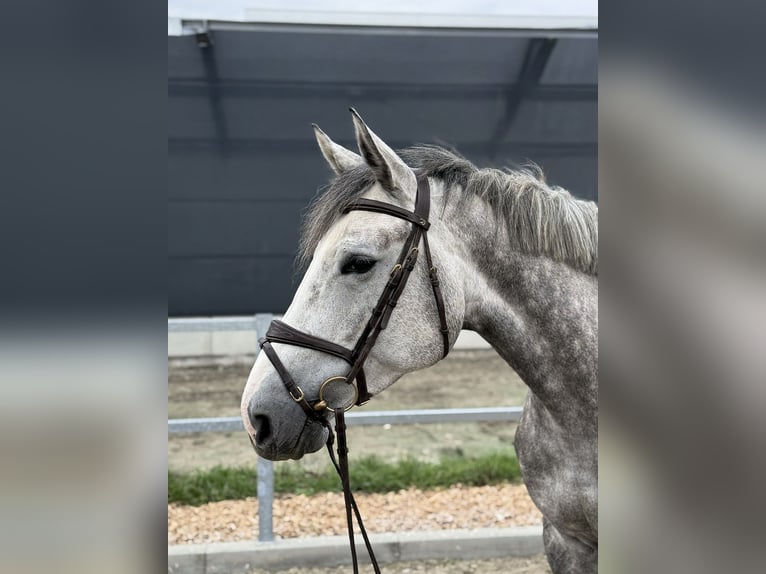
point(518, 263)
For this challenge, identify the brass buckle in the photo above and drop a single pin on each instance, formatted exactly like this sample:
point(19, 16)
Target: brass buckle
point(396, 268)
point(299, 398)
point(323, 403)
point(412, 257)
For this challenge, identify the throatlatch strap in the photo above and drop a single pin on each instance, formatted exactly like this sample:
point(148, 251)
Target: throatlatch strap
point(433, 275)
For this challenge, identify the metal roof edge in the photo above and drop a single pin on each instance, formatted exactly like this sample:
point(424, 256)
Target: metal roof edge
point(187, 16)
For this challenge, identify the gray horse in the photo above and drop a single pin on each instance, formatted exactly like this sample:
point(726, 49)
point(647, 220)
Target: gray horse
point(518, 263)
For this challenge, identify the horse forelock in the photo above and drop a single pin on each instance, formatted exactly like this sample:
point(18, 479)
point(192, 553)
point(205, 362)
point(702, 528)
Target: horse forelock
point(540, 219)
point(327, 207)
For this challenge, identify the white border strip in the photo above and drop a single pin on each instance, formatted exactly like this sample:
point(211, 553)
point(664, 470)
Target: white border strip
point(460, 14)
point(475, 544)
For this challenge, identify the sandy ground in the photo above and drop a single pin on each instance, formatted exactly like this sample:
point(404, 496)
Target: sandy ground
point(464, 378)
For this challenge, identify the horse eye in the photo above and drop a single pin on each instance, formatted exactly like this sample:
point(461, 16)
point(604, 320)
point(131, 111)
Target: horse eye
point(357, 264)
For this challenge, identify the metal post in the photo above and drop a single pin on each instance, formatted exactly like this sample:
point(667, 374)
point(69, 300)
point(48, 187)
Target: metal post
point(265, 500)
point(262, 322)
point(265, 467)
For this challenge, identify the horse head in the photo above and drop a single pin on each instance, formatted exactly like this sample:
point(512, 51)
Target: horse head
point(353, 256)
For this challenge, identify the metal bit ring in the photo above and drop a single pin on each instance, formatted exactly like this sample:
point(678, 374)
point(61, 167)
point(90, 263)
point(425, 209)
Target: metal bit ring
point(334, 380)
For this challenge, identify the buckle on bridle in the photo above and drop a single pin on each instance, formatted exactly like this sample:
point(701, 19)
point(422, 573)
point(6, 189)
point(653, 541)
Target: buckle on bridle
point(411, 259)
point(298, 398)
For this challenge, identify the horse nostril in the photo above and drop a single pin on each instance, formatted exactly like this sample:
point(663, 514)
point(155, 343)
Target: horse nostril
point(262, 427)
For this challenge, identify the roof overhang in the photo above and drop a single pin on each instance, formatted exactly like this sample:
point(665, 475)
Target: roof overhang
point(187, 17)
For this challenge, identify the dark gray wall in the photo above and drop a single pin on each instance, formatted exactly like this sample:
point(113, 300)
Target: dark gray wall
point(243, 165)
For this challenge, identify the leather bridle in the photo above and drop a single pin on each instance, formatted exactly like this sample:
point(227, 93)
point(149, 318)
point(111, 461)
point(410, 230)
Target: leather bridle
point(354, 379)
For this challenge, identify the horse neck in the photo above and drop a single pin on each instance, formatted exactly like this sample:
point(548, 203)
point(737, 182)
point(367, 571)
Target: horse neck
point(540, 315)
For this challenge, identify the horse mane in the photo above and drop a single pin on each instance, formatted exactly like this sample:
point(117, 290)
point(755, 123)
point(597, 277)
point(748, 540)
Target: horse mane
point(541, 219)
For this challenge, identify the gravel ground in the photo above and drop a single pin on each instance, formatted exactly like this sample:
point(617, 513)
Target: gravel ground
point(322, 514)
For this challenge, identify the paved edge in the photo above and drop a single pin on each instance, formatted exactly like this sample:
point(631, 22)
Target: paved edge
point(474, 544)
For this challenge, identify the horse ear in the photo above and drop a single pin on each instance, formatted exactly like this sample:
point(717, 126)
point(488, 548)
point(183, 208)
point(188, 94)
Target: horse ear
point(339, 158)
point(389, 169)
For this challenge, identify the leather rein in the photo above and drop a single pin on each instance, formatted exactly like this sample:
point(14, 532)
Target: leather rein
point(354, 380)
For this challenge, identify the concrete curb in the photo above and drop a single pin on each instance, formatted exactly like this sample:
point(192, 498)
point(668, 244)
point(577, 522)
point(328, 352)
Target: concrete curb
point(228, 557)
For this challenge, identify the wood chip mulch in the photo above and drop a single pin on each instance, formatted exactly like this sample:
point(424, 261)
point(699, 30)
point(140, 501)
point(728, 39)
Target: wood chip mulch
point(323, 514)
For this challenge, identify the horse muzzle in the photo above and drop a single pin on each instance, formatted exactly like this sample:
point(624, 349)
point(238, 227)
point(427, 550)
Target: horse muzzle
point(278, 433)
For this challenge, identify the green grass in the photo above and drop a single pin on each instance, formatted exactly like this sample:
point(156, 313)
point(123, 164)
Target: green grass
point(369, 474)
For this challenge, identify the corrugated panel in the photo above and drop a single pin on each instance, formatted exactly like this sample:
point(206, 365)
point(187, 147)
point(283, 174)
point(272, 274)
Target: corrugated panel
point(243, 164)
